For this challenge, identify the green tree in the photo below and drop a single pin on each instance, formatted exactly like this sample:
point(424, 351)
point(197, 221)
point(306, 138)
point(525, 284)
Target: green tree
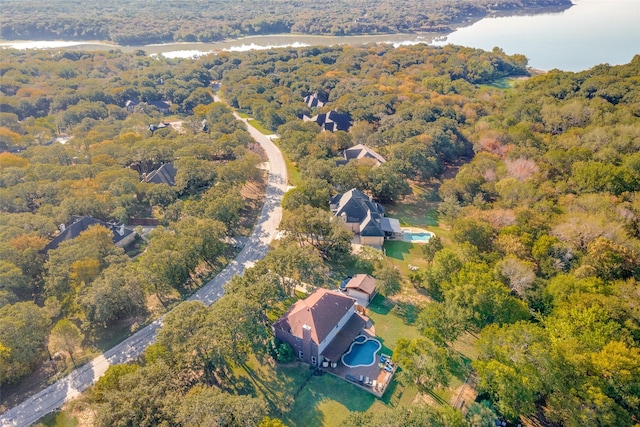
point(388, 280)
point(441, 322)
point(23, 331)
point(423, 363)
point(118, 292)
point(313, 192)
point(207, 406)
point(432, 247)
point(66, 337)
point(479, 234)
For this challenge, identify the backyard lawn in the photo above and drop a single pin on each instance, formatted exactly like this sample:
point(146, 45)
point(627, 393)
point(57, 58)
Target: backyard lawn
point(300, 398)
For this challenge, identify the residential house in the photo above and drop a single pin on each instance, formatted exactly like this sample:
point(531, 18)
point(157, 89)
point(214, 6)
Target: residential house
point(165, 174)
point(362, 288)
point(364, 217)
point(130, 105)
point(331, 121)
point(121, 236)
point(313, 101)
point(361, 151)
point(321, 327)
point(162, 106)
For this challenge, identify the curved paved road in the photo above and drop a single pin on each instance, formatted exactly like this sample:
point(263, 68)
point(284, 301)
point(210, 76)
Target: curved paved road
point(54, 396)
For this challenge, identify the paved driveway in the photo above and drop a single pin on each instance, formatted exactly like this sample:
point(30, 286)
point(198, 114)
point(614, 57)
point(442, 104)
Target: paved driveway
point(54, 396)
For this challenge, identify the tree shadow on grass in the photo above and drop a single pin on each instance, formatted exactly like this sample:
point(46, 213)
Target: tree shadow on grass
point(380, 305)
point(406, 311)
point(461, 368)
point(279, 389)
point(397, 249)
point(322, 398)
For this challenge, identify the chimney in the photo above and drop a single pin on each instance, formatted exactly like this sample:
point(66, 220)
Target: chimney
point(306, 343)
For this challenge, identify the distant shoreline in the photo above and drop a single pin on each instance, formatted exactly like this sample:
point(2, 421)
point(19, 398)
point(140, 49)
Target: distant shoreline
point(271, 41)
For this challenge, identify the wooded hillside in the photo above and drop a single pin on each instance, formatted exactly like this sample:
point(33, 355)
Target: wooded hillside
point(140, 22)
point(536, 188)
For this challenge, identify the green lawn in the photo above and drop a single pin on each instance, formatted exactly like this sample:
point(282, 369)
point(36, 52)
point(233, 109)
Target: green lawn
point(256, 124)
point(293, 174)
point(300, 398)
point(418, 210)
point(392, 321)
point(401, 254)
point(58, 419)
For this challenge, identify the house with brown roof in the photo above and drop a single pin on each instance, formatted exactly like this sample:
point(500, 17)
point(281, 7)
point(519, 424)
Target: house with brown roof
point(321, 327)
point(362, 288)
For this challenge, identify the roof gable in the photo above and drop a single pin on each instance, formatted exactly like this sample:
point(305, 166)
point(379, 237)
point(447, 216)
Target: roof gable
point(321, 311)
point(355, 205)
point(81, 223)
point(165, 174)
point(361, 151)
point(363, 283)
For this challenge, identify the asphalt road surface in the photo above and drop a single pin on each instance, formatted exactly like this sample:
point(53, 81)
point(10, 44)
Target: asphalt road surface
point(54, 396)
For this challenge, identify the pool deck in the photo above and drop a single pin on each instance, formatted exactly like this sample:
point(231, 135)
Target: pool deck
point(375, 372)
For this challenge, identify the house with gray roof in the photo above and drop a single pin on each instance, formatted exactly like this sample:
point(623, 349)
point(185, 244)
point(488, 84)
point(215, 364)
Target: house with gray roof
point(165, 174)
point(364, 217)
point(332, 121)
point(121, 236)
point(313, 101)
point(361, 151)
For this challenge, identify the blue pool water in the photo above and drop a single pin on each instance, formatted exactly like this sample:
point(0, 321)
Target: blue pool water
point(361, 352)
point(418, 237)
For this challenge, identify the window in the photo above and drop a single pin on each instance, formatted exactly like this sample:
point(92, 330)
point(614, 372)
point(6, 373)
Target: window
point(313, 360)
point(300, 354)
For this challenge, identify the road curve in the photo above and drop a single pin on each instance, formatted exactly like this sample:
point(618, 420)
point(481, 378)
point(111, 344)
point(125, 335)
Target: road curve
point(54, 396)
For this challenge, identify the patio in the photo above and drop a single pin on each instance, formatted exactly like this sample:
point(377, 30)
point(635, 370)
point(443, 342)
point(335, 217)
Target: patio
point(379, 378)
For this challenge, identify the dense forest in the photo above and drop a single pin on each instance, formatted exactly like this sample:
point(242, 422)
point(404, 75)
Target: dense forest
point(140, 22)
point(535, 185)
point(89, 286)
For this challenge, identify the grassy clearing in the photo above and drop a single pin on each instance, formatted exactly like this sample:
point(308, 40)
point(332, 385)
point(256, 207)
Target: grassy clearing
point(58, 419)
point(392, 321)
point(260, 127)
point(420, 209)
point(293, 174)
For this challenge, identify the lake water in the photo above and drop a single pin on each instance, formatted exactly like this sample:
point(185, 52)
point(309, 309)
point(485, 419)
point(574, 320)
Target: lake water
point(188, 50)
point(589, 33)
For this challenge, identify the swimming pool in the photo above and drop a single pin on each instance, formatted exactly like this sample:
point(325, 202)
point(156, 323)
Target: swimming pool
point(416, 236)
point(362, 352)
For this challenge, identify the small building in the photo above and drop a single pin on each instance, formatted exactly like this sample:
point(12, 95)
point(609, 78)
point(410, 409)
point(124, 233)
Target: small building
point(365, 217)
point(321, 327)
point(362, 288)
point(165, 174)
point(361, 151)
point(121, 236)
